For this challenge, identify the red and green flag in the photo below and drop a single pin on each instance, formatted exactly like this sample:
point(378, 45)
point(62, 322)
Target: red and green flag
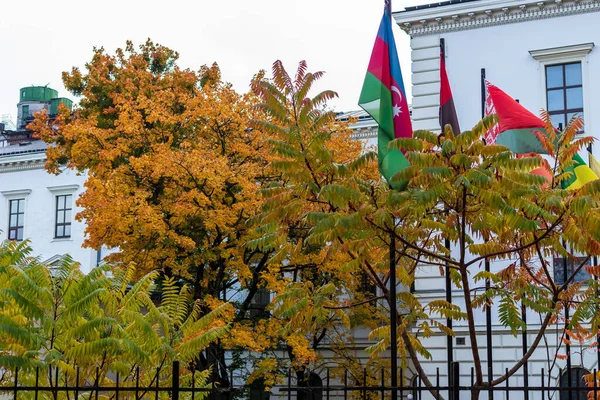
point(384, 98)
point(515, 123)
point(447, 110)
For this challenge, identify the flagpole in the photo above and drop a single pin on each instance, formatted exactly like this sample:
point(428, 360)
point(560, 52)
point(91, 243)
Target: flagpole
point(488, 309)
point(449, 339)
point(393, 306)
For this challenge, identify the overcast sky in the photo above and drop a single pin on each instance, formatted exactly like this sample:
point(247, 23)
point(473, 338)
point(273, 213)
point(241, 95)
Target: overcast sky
point(40, 40)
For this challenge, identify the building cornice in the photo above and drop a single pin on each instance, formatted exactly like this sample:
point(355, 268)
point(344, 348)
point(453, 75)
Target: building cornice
point(21, 165)
point(485, 13)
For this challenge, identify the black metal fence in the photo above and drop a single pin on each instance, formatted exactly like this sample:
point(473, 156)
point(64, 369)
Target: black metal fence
point(322, 386)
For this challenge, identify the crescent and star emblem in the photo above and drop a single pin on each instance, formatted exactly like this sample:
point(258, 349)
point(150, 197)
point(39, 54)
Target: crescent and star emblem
point(397, 109)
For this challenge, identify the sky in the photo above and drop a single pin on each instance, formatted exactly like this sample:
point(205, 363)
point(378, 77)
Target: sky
point(242, 36)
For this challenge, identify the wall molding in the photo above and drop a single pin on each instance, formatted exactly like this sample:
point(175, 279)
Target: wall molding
point(433, 21)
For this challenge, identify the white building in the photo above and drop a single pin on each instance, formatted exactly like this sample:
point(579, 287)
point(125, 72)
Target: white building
point(39, 206)
point(539, 52)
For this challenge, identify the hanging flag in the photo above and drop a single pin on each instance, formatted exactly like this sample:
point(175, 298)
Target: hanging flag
point(580, 174)
point(594, 164)
point(515, 123)
point(447, 110)
point(384, 98)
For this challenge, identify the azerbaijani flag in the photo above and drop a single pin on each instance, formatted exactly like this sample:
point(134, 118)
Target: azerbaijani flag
point(384, 98)
point(516, 123)
point(580, 174)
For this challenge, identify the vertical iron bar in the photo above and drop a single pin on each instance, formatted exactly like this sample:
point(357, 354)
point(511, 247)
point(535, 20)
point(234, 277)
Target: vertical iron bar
point(157, 383)
point(543, 388)
point(524, 344)
point(194, 384)
point(230, 380)
point(507, 385)
point(77, 383)
point(16, 382)
point(595, 385)
point(37, 382)
point(456, 380)
point(437, 380)
point(365, 383)
point(97, 382)
point(137, 383)
point(401, 384)
point(327, 383)
point(419, 388)
point(382, 384)
point(567, 337)
point(56, 382)
point(175, 381)
point(289, 383)
point(393, 315)
point(345, 384)
point(117, 387)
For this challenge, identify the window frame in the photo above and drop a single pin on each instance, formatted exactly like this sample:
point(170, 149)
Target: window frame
point(57, 191)
point(16, 227)
point(566, 55)
point(57, 211)
point(563, 89)
point(9, 195)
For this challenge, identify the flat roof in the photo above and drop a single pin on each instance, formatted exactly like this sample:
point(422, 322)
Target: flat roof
point(35, 146)
point(434, 5)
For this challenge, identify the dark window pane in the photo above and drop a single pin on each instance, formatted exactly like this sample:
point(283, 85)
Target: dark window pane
point(12, 234)
point(20, 234)
point(556, 100)
point(558, 119)
point(573, 72)
point(574, 98)
point(554, 76)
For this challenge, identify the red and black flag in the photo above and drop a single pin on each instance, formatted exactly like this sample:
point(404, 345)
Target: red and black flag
point(447, 110)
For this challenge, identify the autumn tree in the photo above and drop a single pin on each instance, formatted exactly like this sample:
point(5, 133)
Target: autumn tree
point(482, 199)
point(323, 292)
point(173, 170)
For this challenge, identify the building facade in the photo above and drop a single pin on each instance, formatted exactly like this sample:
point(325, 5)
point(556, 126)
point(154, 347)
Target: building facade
point(544, 54)
point(35, 205)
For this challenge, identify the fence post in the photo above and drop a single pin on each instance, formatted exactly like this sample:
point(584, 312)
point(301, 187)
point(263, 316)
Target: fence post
point(175, 381)
point(455, 380)
point(16, 381)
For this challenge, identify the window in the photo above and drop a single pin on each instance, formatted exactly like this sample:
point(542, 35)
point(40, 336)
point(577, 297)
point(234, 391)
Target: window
point(16, 219)
point(259, 303)
point(572, 265)
point(577, 381)
point(63, 216)
point(564, 92)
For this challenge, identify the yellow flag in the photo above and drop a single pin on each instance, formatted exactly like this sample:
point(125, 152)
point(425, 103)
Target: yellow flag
point(594, 165)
